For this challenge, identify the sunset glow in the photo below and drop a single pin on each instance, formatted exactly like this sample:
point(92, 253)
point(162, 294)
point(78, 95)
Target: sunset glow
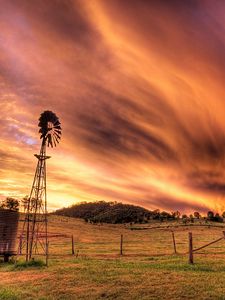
point(139, 89)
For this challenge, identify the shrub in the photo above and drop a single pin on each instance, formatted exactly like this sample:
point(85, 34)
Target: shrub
point(10, 203)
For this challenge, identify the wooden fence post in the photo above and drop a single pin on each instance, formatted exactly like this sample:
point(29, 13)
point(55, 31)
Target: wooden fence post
point(121, 244)
point(20, 244)
point(47, 253)
point(72, 244)
point(191, 261)
point(174, 242)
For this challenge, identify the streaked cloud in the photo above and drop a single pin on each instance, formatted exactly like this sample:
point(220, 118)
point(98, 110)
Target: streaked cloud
point(140, 96)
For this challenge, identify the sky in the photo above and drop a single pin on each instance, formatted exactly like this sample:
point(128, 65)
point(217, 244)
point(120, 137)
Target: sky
point(139, 89)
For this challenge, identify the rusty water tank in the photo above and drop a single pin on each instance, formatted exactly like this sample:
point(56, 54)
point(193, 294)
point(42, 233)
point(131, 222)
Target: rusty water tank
point(8, 232)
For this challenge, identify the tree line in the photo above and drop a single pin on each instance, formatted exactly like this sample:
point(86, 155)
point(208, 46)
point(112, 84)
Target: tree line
point(117, 213)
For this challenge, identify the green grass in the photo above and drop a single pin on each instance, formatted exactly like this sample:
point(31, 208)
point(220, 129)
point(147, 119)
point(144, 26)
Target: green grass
point(147, 270)
point(7, 294)
point(21, 264)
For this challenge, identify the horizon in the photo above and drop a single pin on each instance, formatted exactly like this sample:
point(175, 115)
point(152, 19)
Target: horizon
point(140, 98)
point(202, 214)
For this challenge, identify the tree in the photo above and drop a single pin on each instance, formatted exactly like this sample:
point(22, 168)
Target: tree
point(191, 218)
point(197, 215)
point(156, 214)
point(176, 214)
point(210, 215)
point(184, 219)
point(10, 203)
point(218, 218)
point(165, 215)
point(223, 214)
point(24, 202)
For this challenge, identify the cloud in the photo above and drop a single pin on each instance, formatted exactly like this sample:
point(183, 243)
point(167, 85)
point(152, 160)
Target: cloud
point(140, 97)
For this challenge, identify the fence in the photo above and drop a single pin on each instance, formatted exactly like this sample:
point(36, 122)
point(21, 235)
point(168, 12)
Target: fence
point(111, 241)
point(192, 250)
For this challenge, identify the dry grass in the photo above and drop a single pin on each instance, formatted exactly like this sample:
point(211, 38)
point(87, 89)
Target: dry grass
point(147, 270)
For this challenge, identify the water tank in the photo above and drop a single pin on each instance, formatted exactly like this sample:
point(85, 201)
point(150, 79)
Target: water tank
point(8, 232)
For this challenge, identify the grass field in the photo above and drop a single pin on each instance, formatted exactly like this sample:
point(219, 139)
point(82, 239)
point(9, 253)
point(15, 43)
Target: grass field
point(149, 269)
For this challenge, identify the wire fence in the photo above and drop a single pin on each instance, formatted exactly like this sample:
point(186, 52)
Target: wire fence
point(79, 239)
point(133, 244)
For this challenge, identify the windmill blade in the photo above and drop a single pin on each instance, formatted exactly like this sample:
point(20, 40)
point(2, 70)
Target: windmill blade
point(54, 141)
point(58, 131)
point(56, 122)
point(57, 140)
point(57, 135)
point(50, 140)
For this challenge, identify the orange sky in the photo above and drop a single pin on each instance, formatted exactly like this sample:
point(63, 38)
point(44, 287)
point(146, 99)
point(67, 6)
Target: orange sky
point(139, 89)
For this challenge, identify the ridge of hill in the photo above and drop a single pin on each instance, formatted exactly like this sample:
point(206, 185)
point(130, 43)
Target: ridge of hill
point(106, 212)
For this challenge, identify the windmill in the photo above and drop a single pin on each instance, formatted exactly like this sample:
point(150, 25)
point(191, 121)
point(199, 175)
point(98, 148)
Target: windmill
point(35, 229)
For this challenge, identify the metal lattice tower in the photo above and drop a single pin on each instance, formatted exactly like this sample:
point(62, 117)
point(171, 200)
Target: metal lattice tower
point(34, 237)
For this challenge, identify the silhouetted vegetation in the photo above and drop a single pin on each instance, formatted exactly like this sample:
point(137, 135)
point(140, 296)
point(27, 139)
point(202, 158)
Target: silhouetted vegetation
point(10, 203)
point(106, 212)
point(117, 213)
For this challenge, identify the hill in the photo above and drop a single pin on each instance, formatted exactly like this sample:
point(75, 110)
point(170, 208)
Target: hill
point(118, 213)
point(106, 212)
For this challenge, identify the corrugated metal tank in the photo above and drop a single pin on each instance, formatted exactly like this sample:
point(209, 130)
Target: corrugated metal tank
point(8, 231)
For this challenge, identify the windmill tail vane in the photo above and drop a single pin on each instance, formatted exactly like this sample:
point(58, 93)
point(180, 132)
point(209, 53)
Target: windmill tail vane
point(34, 237)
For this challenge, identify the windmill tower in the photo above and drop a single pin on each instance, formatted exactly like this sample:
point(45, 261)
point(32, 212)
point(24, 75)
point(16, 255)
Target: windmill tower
point(35, 227)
